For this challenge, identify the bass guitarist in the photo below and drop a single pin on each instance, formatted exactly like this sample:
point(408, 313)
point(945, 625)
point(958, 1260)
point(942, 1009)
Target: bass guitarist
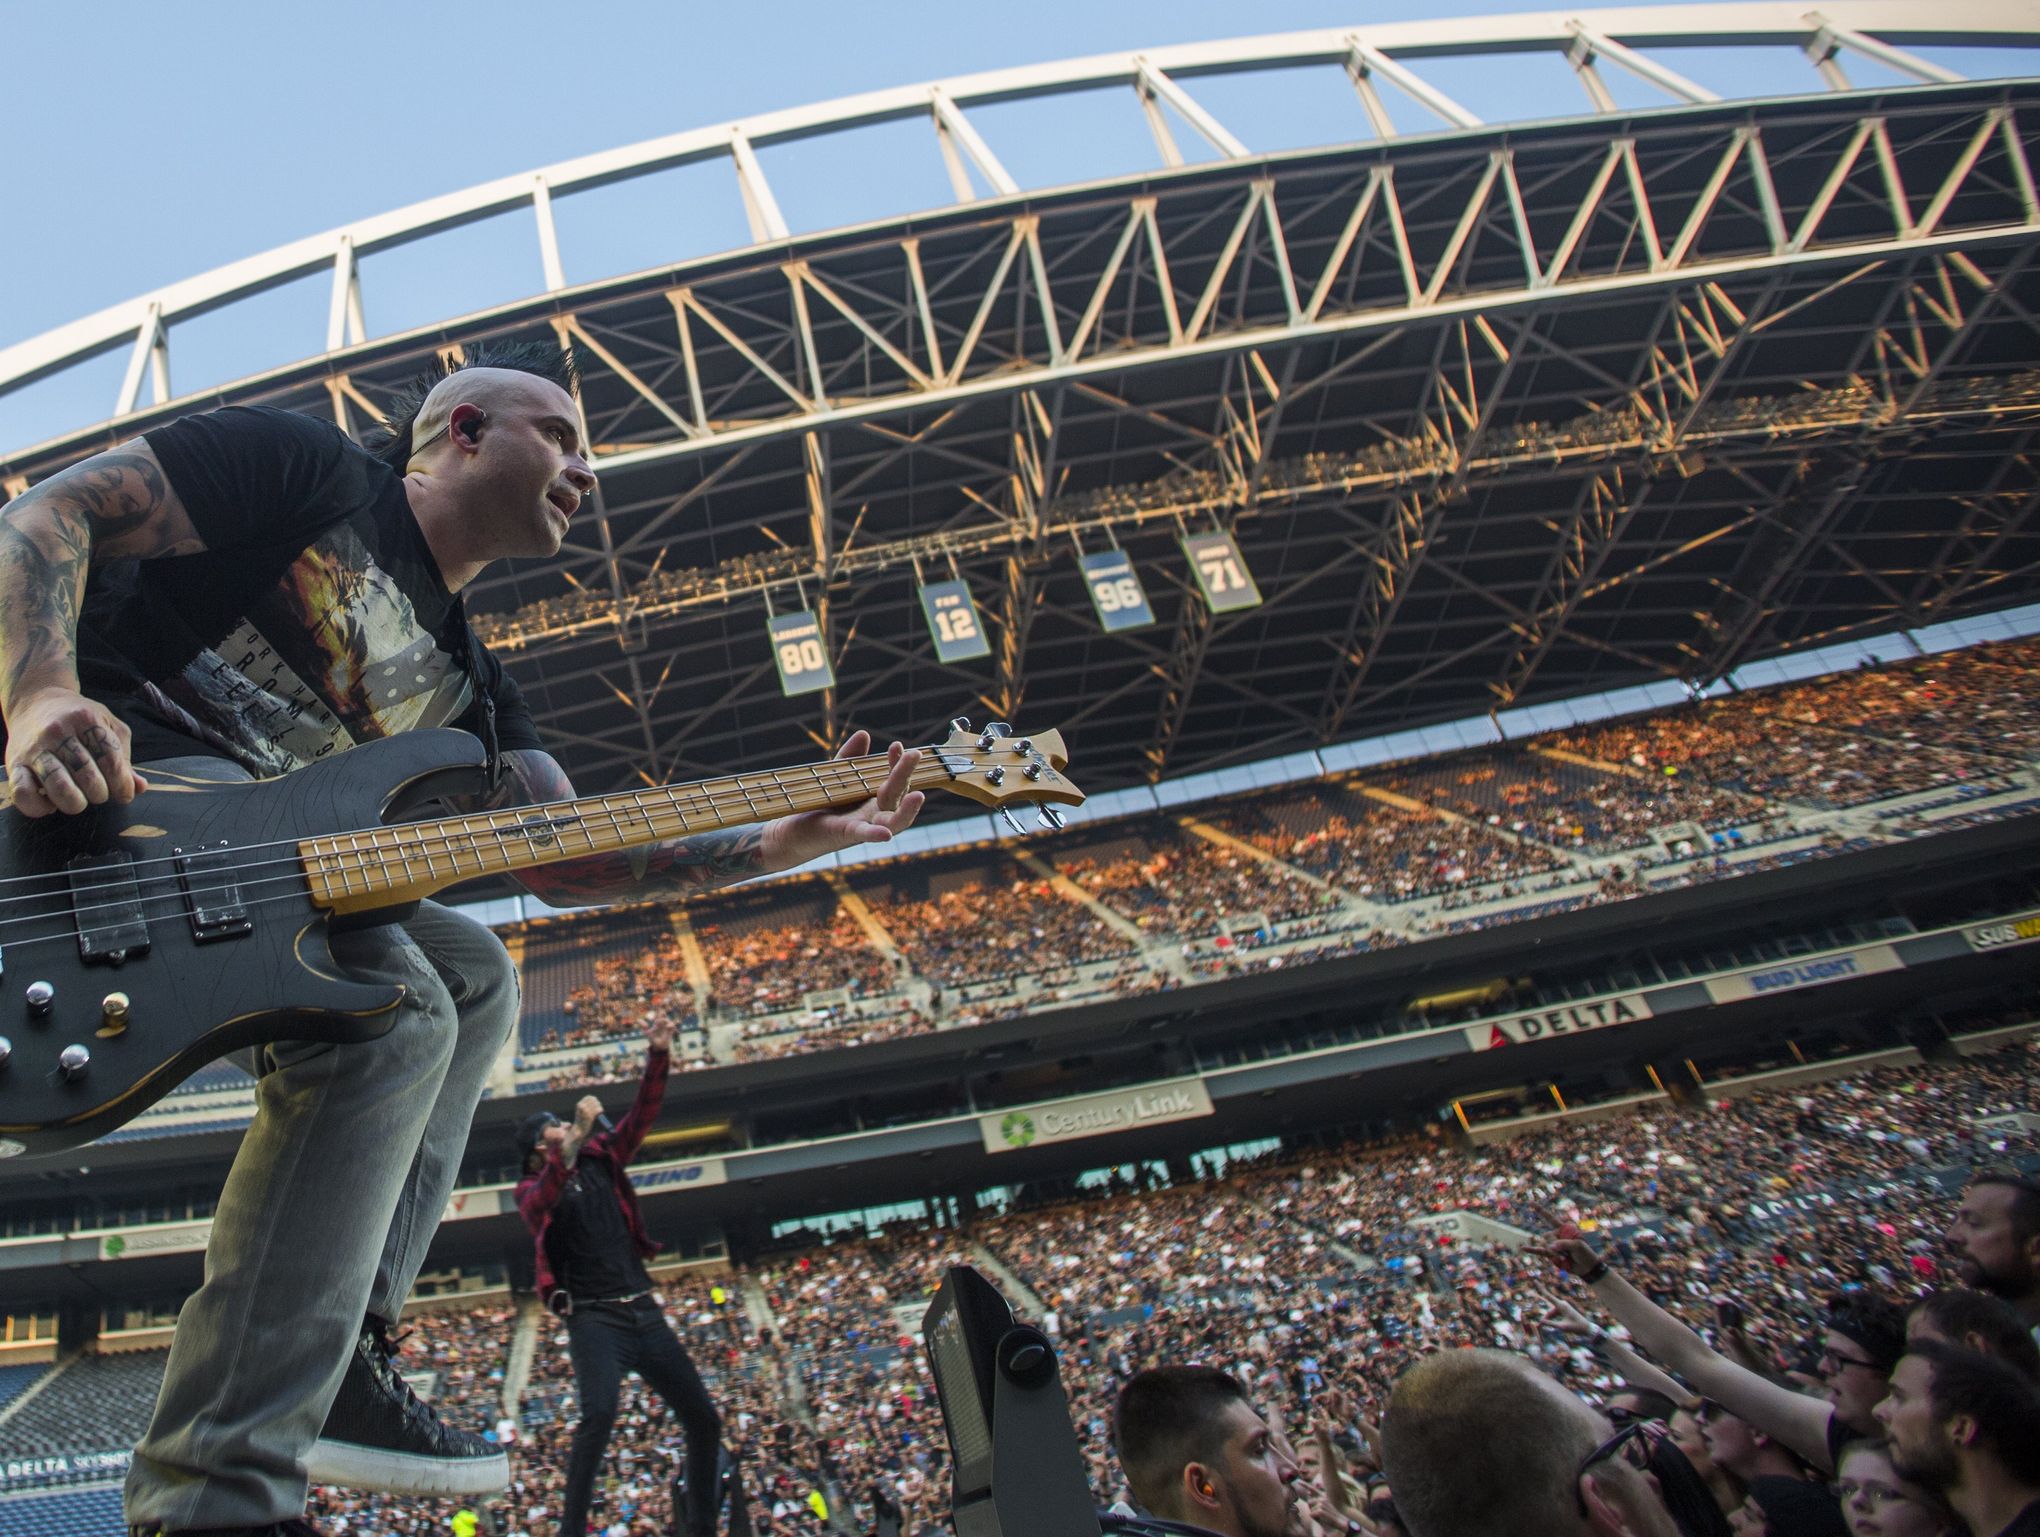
point(239, 594)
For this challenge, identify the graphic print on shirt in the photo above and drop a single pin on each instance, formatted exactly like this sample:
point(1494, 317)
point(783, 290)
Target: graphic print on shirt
point(333, 655)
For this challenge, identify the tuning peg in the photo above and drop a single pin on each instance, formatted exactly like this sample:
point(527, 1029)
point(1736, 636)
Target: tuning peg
point(1024, 745)
point(961, 723)
point(1052, 819)
point(1012, 821)
point(998, 728)
point(1032, 771)
point(995, 775)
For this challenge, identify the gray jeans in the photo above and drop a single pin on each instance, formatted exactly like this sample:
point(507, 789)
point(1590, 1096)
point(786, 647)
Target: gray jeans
point(325, 1218)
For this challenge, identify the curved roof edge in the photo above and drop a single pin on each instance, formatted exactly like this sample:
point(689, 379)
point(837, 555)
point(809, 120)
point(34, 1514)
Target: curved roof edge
point(1872, 29)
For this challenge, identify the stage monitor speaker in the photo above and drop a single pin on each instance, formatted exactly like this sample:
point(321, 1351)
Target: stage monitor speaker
point(1016, 1467)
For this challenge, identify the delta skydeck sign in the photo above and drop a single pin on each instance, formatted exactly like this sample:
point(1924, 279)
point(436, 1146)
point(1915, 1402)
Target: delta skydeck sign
point(1549, 1024)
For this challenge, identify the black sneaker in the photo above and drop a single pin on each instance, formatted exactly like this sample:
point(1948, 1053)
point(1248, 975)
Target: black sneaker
point(380, 1435)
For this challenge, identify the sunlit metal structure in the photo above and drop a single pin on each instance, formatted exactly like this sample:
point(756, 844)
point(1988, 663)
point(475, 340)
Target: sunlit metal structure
point(1495, 411)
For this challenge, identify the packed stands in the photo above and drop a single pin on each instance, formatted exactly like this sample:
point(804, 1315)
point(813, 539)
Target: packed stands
point(971, 922)
point(1384, 851)
point(1980, 701)
point(1173, 885)
point(768, 951)
point(1504, 834)
point(1782, 745)
point(577, 976)
point(1568, 805)
point(1309, 1273)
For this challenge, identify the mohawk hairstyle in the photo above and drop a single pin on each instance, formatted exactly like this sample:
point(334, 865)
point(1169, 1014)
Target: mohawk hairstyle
point(391, 441)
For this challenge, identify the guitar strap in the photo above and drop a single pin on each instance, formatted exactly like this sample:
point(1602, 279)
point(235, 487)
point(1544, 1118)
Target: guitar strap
point(469, 658)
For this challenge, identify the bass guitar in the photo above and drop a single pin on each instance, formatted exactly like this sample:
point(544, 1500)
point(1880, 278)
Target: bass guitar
point(140, 942)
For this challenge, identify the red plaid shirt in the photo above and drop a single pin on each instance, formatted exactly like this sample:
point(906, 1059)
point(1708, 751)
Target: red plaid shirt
point(538, 1194)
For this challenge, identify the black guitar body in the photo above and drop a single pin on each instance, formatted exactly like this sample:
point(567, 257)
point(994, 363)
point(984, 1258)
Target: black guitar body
point(156, 937)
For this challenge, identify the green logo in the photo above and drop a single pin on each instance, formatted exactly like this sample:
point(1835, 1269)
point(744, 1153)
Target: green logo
point(115, 1246)
point(1017, 1129)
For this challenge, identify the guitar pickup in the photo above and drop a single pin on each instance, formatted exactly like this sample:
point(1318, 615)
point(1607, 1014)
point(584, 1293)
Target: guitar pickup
point(212, 896)
point(107, 902)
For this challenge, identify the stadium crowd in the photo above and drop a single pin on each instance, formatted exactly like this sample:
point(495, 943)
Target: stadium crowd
point(771, 968)
point(1317, 1279)
point(1170, 885)
point(1571, 807)
point(1489, 836)
point(1396, 854)
point(1840, 741)
point(996, 931)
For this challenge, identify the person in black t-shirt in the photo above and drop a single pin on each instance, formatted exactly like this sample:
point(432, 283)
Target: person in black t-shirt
point(242, 593)
point(1967, 1426)
point(592, 1247)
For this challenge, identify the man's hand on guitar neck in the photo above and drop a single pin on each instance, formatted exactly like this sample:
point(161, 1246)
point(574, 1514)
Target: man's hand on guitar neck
point(794, 840)
point(687, 865)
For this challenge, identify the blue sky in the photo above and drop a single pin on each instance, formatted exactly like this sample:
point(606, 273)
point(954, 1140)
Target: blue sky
point(150, 142)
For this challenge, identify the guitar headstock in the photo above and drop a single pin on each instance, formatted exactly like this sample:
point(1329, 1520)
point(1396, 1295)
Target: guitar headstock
point(999, 768)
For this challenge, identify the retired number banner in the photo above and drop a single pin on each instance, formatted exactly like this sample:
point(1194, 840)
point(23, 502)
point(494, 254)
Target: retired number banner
point(797, 649)
point(953, 621)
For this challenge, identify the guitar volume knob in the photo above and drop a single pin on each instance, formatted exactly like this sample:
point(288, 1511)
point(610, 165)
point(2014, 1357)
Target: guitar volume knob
point(72, 1062)
point(39, 996)
point(6, 1050)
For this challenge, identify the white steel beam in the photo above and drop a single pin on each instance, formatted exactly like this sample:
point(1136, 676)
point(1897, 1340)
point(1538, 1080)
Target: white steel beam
point(760, 207)
point(949, 117)
point(1153, 83)
point(1670, 81)
point(151, 353)
point(1367, 59)
point(1834, 36)
point(343, 312)
point(548, 236)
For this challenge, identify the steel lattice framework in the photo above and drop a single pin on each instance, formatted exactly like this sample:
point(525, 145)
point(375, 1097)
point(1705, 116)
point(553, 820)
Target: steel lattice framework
point(1495, 413)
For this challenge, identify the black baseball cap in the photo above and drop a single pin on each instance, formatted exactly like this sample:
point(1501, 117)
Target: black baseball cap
point(530, 1129)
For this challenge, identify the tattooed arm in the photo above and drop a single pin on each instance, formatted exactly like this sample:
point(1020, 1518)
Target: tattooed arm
point(63, 750)
point(682, 866)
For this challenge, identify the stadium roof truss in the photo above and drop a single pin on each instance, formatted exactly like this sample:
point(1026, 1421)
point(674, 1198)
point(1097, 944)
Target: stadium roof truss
point(1494, 414)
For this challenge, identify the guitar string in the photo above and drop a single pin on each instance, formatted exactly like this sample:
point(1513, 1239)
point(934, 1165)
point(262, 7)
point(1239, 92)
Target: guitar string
point(845, 772)
point(171, 904)
point(442, 843)
point(451, 844)
point(832, 764)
